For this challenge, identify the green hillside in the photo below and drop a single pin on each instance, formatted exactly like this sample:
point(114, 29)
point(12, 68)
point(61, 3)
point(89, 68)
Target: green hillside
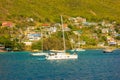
point(49, 10)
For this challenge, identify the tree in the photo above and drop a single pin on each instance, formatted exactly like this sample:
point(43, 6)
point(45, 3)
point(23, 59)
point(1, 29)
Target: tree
point(37, 45)
point(118, 37)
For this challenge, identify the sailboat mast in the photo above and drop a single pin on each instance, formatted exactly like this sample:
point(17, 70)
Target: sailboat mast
point(63, 33)
point(42, 40)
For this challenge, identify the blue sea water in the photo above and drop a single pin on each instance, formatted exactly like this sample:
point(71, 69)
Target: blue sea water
point(91, 65)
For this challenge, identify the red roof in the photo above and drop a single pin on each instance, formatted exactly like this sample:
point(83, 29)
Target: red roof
point(65, 25)
point(45, 24)
point(7, 24)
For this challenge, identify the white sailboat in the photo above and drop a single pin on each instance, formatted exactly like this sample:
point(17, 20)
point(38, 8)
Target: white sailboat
point(61, 54)
point(41, 53)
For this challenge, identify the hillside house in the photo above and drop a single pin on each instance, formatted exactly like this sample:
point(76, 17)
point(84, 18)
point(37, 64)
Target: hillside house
point(109, 38)
point(57, 25)
point(77, 19)
point(34, 36)
point(28, 43)
point(30, 19)
point(66, 28)
point(52, 29)
point(72, 19)
point(46, 25)
point(77, 32)
point(118, 43)
point(106, 24)
point(105, 30)
point(80, 27)
point(95, 36)
point(101, 44)
point(2, 47)
point(112, 42)
point(117, 34)
point(82, 42)
point(76, 24)
point(47, 29)
point(97, 27)
point(8, 24)
point(89, 24)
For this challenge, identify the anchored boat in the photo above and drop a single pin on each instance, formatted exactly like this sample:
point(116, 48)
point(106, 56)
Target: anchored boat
point(61, 54)
point(108, 50)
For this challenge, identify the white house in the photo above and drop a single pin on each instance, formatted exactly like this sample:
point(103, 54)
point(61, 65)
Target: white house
point(105, 30)
point(28, 43)
point(34, 36)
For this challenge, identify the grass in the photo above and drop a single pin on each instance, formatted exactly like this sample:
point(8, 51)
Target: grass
point(50, 10)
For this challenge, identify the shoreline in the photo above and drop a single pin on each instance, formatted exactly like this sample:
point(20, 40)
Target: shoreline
point(3, 51)
point(86, 48)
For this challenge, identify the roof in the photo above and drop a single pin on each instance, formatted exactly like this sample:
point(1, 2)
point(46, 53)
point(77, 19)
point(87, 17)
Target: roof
point(34, 35)
point(112, 43)
point(46, 24)
point(79, 31)
point(7, 24)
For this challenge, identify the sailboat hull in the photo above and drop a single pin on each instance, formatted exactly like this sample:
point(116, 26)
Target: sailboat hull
point(39, 54)
point(58, 56)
